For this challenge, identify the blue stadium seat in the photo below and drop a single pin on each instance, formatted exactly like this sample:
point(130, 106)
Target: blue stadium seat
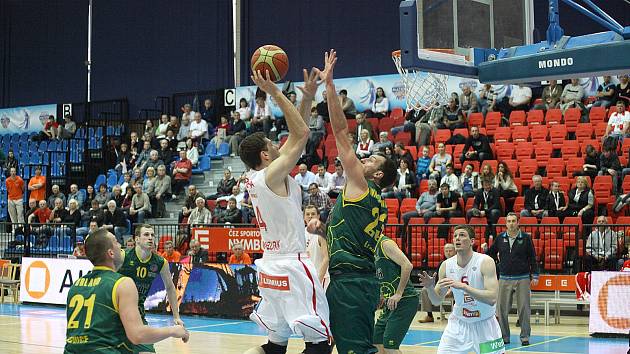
point(99, 180)
point(53, 244)
point(66, 245)
point(52, 145)
point(211, 150)
point(111, 181)
point(224, 150)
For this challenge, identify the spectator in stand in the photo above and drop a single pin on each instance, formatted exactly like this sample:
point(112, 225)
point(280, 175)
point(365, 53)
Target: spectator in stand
point(102, 196)
point(606, 93)
point(380, 107)
point(347, 104)
point(170, 253)
point(10, 162)
point(262, 117)
point(173, 125)
point(244, 112)
point(115, 221)
point(221, 132)
point(72, 217)
point(41, 215)
point(90, 194)
point(468, 101)
point(130, 244)
point(149, 130)
point(32, 207)
point(535, 199)
point(610, 166)
point(591, 163)
point(363, 124)
point(165, 153)
point(469, 180)
point(224, 188)
point(159, 192)
point(200, 215)
point(451, 179)
point(184, 130)
point(140, 206)
point(401, 153)
point(480, 145)
point(117, 196)
point(237, 194)
point(486, 173)
point(51, 129)
point(199, 129)
point(425, 206)
point(192, 153)
point(208, 112)
point(37, 185)
point(556, 204)
point(519, 101)
point(154, 161)
point(337, 181)
point(198, 254)
point(550, 96)
point(323, 178)
point(405, 183)
point(425, 303)
point(230, 215)
point(239, 256)
point(79, 250)
point(426, 123)
point(365, 145)
point(56, 194)
point(189, 203)
point(57, 216)
point(160, 132)
point(304, 178)
point(504, 182)
point(623, 90)
point(319, 199)
point(518, 271)
point(447, 203)
point(123, 159)
point(618, 123)
point(453, 117)
point(487, 203)
point(236, 132)
point(134, 142)
point(322, 108)
point(601, 247)
point(572, 96)
point(317, 132)
point(487, 99)
point(581, 201)
point(187, 112)
point(15, 197)
point(94, 214)
point(422, 165)
point(126, 203)
point(143, 156)
point(182, 173)
point(382, 143)
point(437, 167)
point(67, 130)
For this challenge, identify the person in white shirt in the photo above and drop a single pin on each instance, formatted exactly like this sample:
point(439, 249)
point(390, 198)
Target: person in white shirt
point(237, 194)
point(618, 122)
point(244, 111)
point(472, 278)
point(365, 145)
point(188, 112)
point(380, 107)
point(451, 179)
point(198, 128)
point(323, 178)
point(304, 177)
point(572, 96)
point(317, 247)
point(518, 101)
point(261, 120)
point(601, 247)
point(337, 181)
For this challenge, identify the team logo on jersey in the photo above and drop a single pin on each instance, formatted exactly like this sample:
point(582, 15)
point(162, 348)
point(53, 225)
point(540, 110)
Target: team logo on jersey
point(273, 282)
point(468, 299)
point(470, 314)
point(130, 263)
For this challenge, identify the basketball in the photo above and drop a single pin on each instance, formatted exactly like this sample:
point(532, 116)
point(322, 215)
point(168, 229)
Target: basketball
point(272, 59)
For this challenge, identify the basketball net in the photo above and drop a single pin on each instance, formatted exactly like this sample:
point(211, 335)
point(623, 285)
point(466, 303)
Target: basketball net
point(422, 89)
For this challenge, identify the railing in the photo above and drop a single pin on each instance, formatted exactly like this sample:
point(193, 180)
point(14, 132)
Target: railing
point(37, 240)
point(83, 112)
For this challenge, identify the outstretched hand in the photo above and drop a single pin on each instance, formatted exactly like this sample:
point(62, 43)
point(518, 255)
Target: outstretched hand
point(310, 83)
point(315, 226)
point(264, 82)
point(330, 59)
point(427, 280)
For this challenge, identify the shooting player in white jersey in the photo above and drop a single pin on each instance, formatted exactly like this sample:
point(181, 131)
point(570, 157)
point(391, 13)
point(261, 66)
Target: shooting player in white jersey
point(473, 280)
point(293, 301)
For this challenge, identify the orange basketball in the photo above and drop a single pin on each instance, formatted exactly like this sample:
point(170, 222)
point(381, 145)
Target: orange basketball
point(272, 59)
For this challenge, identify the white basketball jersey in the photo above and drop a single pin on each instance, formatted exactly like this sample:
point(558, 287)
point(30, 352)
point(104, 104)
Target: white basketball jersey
point(314, 252)
point(279, 218)
point(466, 307)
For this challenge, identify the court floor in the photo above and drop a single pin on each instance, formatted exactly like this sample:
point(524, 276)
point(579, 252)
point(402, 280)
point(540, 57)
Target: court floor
point(38, 329)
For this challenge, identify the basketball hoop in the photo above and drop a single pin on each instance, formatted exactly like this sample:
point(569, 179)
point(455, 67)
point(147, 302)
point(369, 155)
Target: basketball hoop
point(422, 89)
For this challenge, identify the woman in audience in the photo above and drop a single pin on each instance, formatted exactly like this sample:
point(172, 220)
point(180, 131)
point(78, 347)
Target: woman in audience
point(581, 201)
point(404, 185)
point(129, 192)
point(123, 159)
point(102, 196)
point(136, 177)
point(380, 107)
point(149, 129)
point(365, 145)
point(73, 216)
point(89, 195)
point(486, 174)
point(245, 112)
point(192, 153)
point(437, 167)
point(149, 180)
point(504, 182)
point(162, 127)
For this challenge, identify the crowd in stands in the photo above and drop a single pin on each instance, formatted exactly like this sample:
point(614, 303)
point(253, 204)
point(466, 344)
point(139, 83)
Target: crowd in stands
point(471, 157)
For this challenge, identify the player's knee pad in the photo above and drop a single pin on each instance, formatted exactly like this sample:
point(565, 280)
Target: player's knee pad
point(312, 328)
point(318, 348)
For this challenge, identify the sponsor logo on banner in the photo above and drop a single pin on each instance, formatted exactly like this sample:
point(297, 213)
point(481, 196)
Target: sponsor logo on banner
point(47, 280)
point(221, 239)
point(609, 310)
point(555, 63)
point(273, 282)
point(27, 119)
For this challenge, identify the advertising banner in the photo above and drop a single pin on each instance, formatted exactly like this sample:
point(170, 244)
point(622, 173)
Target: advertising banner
point(28, 119)
point(610, 309)
point(220, 239)
point(47, 280)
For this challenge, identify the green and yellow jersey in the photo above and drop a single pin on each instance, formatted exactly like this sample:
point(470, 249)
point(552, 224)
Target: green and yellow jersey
point(354, 229)
point(143, 273)
point(94, 324)
point(388, 273)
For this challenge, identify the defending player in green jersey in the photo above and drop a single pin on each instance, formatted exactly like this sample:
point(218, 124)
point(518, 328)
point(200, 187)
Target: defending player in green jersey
point(143, 266)
point(102, 306)
point(354, 228)
point(400, 299)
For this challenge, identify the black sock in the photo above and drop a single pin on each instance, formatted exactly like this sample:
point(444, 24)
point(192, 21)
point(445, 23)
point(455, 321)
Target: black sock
point(317, 348)
point(430, 314)
point(272, 348)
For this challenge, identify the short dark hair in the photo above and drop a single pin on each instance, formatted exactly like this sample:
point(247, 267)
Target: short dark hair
point(390, 172)
point(96, 246)
point(343, 92)
point(469, 230)
point(445, 185)
point(311, 206)
point(250, 148)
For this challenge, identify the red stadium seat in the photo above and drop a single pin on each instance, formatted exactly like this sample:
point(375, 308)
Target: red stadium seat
point(597, 114)
point(553, 116)
point(570, 148)
point(524, 150)
point(572, 118)
point(386, 124)
point(527, 169)
point(493, 121)
point(461, 131)
point(575, 164)
point(475, 119)
point(441, 136)
point(555, 167)
point(520, 134)
point(403, 137)
point(539, 133)
point(519, 204)
point(584, 131)
point(505, 151)
point(543, 152)
point(557, 134)
point(535, 117)
point(600, 129)
point(517, 118)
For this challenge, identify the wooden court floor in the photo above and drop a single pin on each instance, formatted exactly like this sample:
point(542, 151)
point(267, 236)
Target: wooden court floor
point(37, 329)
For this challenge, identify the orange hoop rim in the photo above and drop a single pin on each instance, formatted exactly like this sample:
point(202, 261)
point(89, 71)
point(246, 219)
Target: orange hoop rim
point(396, 53)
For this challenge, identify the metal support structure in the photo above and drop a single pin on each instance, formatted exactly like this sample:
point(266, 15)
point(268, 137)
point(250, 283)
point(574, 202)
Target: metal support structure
point(599, 16)
point(554, 31)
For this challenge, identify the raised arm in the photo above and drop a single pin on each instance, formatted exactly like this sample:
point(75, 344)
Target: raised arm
point(280, 168)
point(171, 293)
point(356, 184)
point(436, 292)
